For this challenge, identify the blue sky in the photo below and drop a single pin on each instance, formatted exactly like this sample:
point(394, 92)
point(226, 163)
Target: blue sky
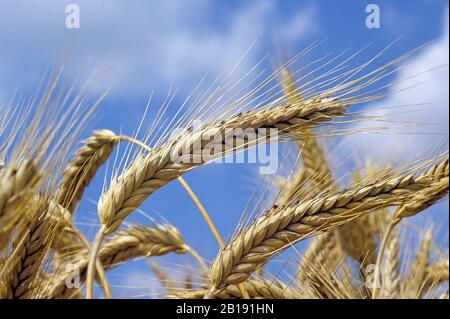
point(151, 46)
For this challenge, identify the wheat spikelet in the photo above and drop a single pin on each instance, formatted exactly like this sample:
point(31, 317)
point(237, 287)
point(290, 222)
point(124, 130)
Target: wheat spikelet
point(274, 232)
point(79, 172)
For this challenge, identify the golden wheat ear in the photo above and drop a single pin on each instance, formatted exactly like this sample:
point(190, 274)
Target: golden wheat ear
point(81, 169)
point(30, 246)
point(272, 233)
point(129, 243)
point(17, 185)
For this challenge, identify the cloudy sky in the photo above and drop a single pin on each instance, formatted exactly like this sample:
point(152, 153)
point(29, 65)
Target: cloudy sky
point(142, 47)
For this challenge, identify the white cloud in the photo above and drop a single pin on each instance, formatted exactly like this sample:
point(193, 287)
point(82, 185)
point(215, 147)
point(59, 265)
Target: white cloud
point(302, 23)
point(144, 45)
point(432, 91)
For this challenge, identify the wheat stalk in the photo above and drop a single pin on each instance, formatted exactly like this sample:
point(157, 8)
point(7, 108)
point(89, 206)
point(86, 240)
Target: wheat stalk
point(277, 231)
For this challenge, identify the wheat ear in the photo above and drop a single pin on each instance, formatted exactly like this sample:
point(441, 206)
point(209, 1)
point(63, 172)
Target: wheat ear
point(79, 172)
point(30, 247)
point(420, 200)
point(415, 282)
point(16, 189)
point(148, 173)
point(437, 273)
point(274, 232)
point(129, 243)
point(323, 253)
point(390, 281)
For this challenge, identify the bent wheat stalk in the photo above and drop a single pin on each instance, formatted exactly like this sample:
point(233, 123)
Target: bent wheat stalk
point(277, 231)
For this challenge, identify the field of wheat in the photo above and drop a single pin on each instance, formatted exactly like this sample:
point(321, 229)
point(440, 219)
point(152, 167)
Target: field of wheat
point(352, 224)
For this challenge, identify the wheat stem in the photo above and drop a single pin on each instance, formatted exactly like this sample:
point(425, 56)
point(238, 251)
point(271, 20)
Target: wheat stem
point(92, 261)
point(383, 245)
